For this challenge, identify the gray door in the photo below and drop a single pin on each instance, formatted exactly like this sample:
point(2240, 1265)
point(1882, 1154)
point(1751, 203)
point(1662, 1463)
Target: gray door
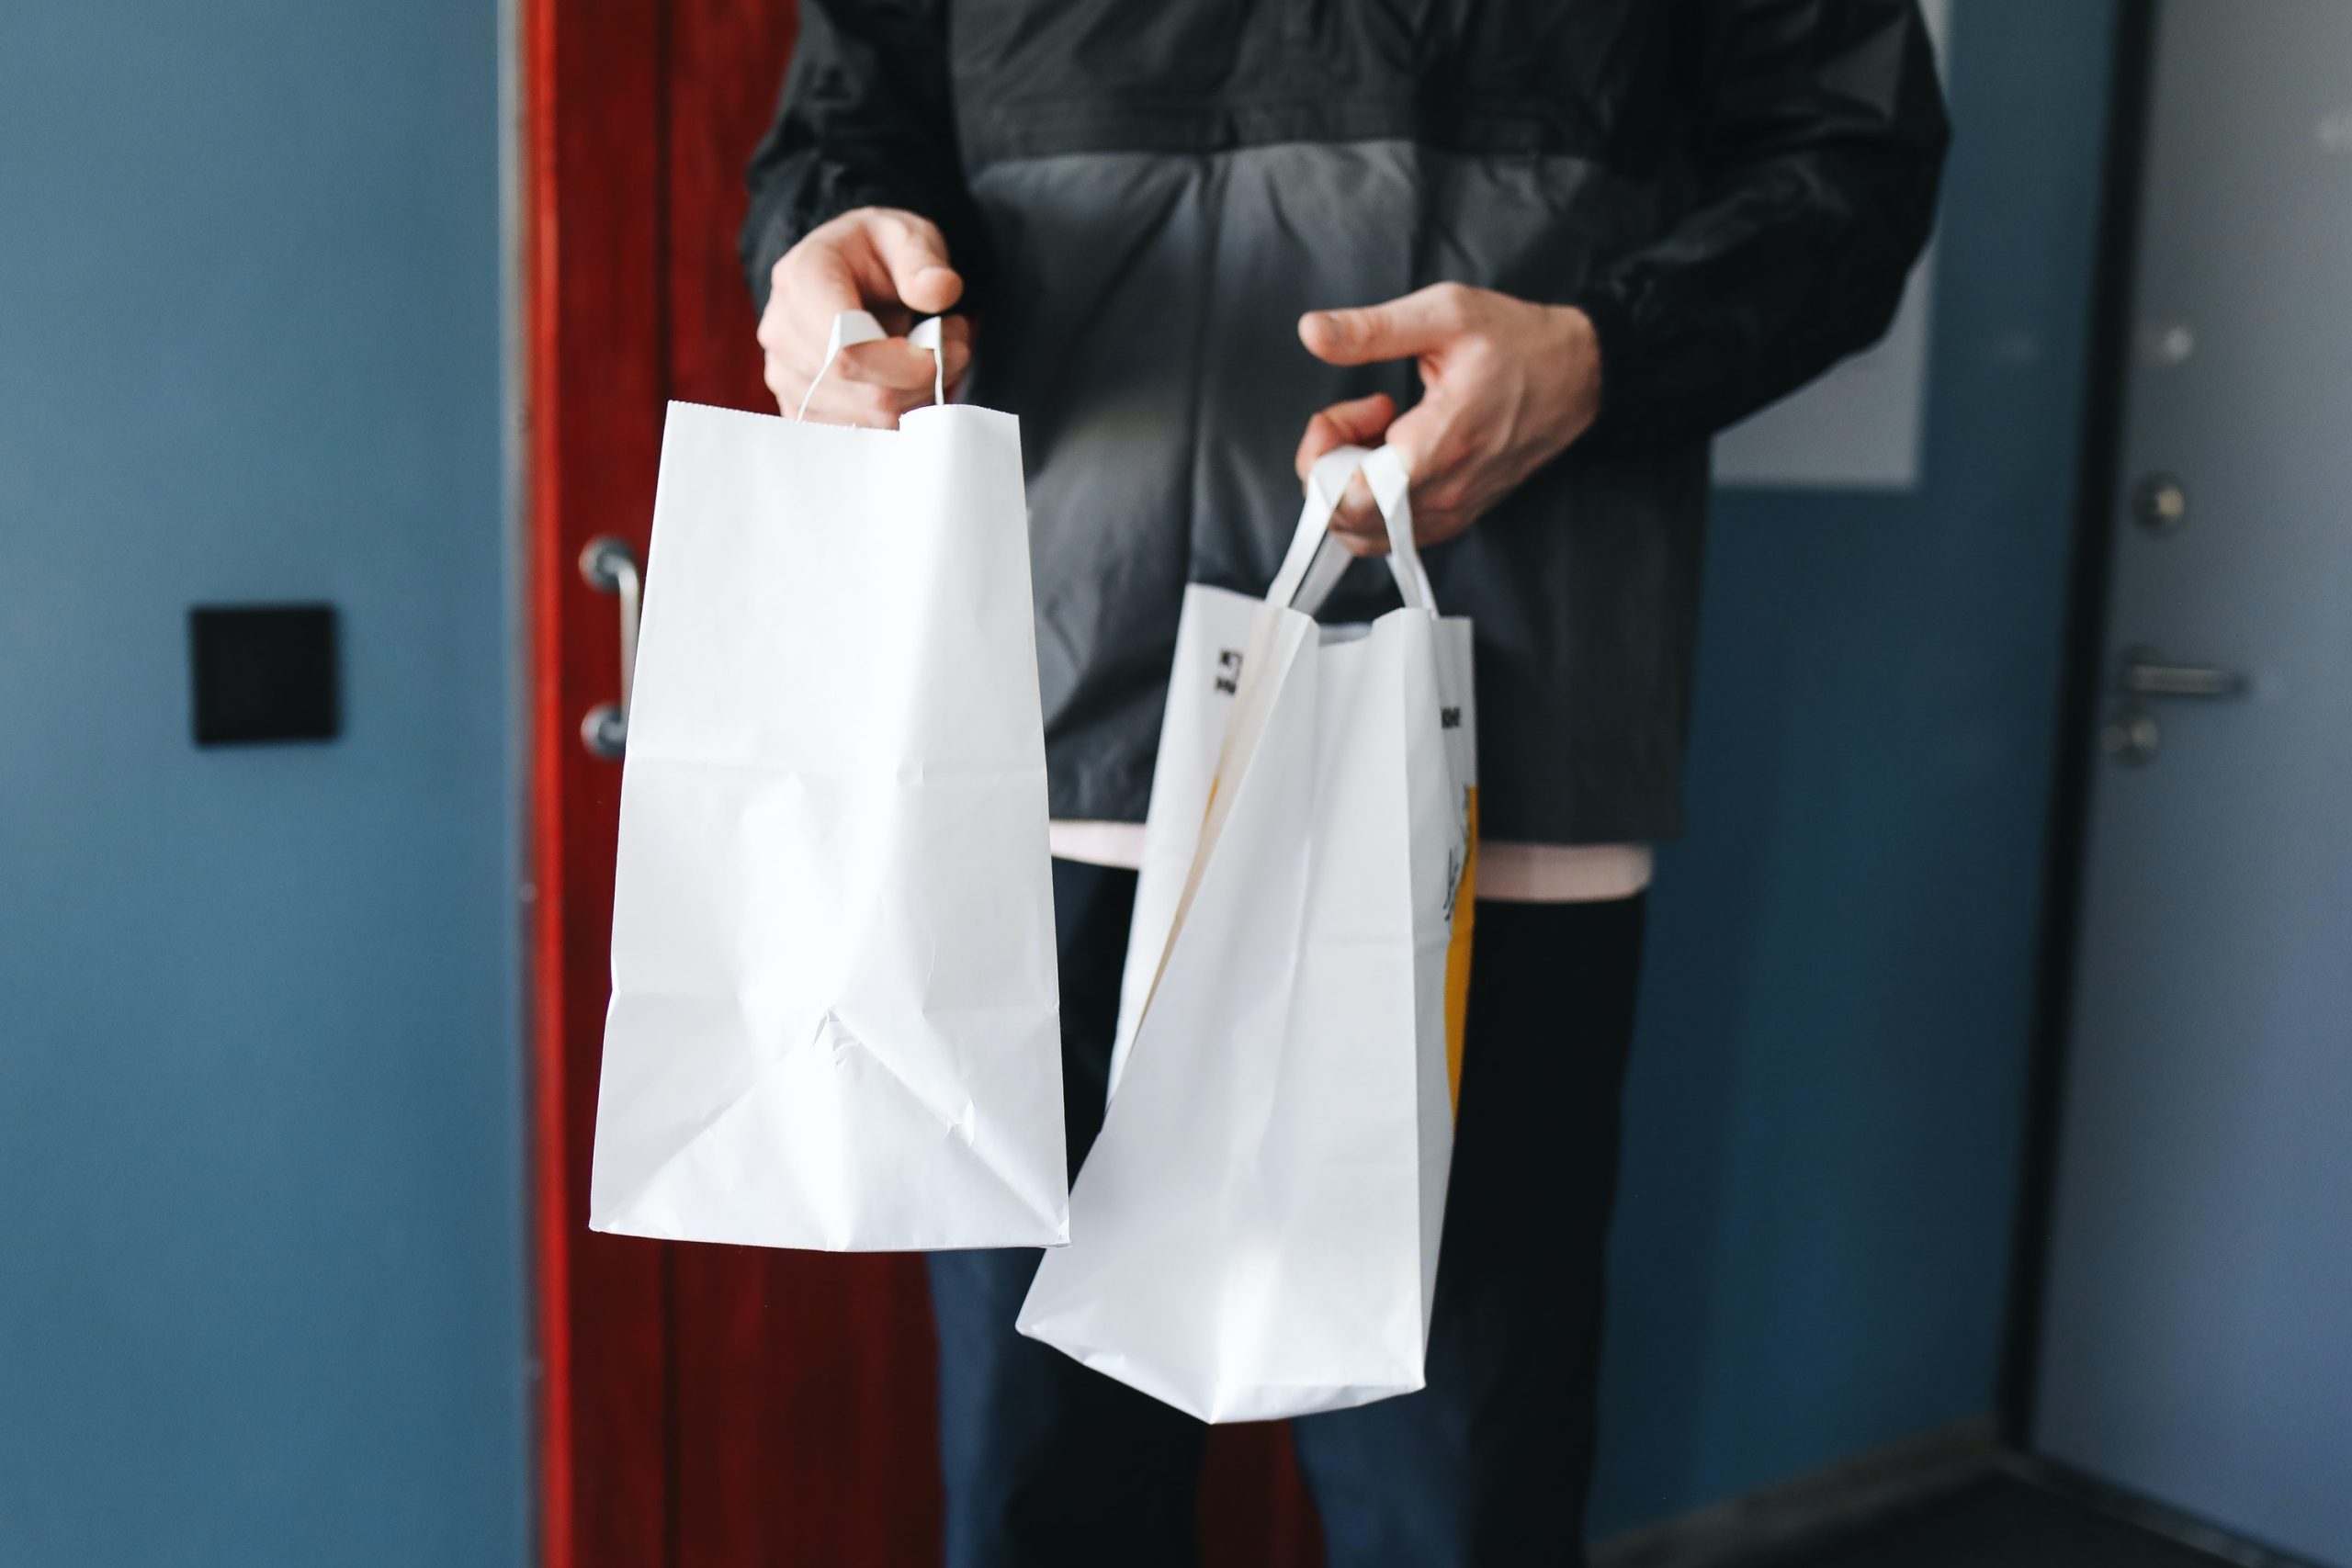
point(2197, 1344)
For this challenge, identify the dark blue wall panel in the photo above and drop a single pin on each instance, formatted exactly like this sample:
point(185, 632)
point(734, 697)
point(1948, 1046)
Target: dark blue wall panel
point(1827, 1098)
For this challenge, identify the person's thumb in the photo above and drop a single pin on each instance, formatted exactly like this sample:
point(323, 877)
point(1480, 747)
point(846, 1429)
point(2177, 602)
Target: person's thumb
point(1416, 324)
point(916, 256)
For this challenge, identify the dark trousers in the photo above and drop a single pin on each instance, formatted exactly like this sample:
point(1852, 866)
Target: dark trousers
point(1048, 1464)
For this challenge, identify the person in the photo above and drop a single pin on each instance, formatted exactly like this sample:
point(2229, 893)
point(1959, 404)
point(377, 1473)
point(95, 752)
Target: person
point(1543, 248)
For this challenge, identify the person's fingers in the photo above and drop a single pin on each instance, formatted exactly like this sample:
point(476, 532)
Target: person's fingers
point(1416, 324)
point(871, 383)
point(898, 365)
point(915, 255)
point(1425, 439)
point(1444, 467)
point(854, 402)
point(1359, 421)
point(783, 385)
point(814, 281)
point(893, 264)
point(891, 362)
point(1357, 520)
point(1418, 438)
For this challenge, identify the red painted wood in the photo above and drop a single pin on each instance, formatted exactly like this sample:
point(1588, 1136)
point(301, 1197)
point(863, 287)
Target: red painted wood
point(726, 62)
point(805, 1389)
point(1254, 1510)
point(595, 330)
point(702, 1406)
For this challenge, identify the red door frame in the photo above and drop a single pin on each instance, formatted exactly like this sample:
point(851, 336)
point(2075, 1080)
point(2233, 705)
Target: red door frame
point(697, 1405)
point(594, 374)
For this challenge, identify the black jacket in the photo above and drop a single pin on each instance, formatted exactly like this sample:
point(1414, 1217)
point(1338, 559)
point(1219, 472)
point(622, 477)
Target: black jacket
point(1144, 195)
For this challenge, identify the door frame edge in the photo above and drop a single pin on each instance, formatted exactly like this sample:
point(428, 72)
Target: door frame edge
point(2074, 756)
point(532, 25)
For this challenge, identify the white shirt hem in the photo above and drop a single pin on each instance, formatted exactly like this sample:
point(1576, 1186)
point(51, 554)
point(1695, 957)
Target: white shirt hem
point(1508, 872)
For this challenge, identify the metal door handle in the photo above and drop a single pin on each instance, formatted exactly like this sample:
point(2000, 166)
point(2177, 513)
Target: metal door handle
point(2146, 674)
point(2133, 736)
point(609, 566)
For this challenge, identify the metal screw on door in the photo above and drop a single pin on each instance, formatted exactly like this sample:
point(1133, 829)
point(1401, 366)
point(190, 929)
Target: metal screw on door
point(2131, 736)
point(2161, 504)
point(609, 566)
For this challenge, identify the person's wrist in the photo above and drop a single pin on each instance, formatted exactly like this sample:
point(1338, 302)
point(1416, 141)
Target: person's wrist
point(1573, 345)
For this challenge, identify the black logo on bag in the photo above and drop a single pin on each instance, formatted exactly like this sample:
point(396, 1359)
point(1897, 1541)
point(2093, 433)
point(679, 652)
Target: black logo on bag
point(1457, 862)
point(1228, 664)
point(1449, 718)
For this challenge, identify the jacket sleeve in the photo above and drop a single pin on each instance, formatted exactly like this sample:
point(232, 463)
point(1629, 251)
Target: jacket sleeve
point(866, 121)
point(1819, 140)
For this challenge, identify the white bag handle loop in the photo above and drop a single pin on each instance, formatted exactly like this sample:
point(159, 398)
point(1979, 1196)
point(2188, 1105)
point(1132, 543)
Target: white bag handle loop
point(1309, 570)
point(1392, 489)
point(859, 327)
point(1312, 566)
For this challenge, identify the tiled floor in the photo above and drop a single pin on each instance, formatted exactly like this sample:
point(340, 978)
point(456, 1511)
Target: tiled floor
point(2002, 1524)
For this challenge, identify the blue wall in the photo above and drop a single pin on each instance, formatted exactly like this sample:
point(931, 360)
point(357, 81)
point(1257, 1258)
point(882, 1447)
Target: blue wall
point(1827, 1109)
point(261, 1277)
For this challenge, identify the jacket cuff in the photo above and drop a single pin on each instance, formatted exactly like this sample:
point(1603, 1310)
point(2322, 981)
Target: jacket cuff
point(1618, 425)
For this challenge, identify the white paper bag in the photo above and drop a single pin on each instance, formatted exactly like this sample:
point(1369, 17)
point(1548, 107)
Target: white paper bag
point(1255, 1233)
point(834, 1019)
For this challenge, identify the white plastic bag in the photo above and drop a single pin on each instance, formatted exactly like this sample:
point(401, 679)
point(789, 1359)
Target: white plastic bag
point(834, 1019)
point(1255, 1232)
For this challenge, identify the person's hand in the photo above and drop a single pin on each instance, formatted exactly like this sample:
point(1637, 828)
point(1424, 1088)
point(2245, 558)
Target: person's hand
point(1506, 386)
point(879, 259)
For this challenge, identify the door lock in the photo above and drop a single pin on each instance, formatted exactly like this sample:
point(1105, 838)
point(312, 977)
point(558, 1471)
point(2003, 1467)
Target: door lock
point(2133, 736)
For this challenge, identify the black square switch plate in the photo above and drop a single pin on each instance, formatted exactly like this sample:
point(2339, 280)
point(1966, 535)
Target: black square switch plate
point(263, 672)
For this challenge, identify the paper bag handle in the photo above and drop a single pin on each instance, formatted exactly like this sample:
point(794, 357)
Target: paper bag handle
point(1309, 570)
point(859, 327)
point(1312, 567)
